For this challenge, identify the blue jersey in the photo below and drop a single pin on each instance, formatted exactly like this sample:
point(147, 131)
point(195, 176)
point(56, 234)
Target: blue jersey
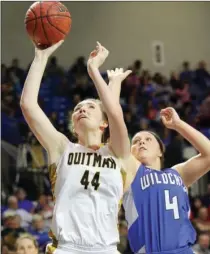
point(157, 211)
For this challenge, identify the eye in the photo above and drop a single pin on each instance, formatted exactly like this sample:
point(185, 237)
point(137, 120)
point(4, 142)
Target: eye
point(135, 141)
point(148, 139)
point(76, 109)
point(91, 106)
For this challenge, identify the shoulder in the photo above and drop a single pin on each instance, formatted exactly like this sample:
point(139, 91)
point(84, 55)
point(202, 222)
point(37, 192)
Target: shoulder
point(56, 152)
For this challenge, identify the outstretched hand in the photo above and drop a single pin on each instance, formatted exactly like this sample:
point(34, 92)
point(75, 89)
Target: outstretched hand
point(97, 57)
point(45, 53)
point(117, 75)
point(170, 118)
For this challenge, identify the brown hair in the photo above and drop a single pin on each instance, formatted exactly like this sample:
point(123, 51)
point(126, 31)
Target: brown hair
point(105, 135)
point(27, 236)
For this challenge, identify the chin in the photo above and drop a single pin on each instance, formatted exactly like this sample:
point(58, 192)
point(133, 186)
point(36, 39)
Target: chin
point(86, 126)
point(143, 159)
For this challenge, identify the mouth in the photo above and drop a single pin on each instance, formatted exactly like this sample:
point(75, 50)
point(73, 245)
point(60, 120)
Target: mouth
point(81, 117)
point(142, 149)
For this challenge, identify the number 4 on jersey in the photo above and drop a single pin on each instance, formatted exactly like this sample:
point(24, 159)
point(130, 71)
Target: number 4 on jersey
point(95, 181)
point(172, 205)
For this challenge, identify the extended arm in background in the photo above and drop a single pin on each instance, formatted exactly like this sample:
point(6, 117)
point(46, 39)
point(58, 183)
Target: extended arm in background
point(197, 166)
point(130, 164)
point(119, 140)
point(40, 125)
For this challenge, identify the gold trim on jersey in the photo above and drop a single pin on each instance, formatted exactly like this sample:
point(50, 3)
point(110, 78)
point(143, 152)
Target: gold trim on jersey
point(123, 174)
point(53, 176)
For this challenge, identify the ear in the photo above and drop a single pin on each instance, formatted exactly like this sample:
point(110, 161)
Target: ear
point(103, 126)
point(160, 154)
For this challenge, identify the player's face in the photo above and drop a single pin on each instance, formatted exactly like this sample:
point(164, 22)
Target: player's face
point(145, 147)
point(26, 246)
point(88, 116)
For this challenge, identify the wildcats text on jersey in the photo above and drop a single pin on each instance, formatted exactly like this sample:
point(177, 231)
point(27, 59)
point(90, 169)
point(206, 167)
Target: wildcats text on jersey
point(91, 159)
point(155, 178)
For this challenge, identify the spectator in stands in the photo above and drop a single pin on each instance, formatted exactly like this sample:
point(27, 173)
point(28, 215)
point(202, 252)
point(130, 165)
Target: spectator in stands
point(79, 68)
point(137, 65)
point(4, 73)
point(63, 89)
point(183, 92)
point(9, 104)
point(53, 68)
point(195, 206)
point(12, 229)
point(174, 81)
point(203, 117)
point(202, 247)
point(39, 231)
point(187, 73)
point(202, 76)
point(44, 207)
point(206, 199)
point(174, 151)
point(26, 217)
point(23, 203)
point(18, 72)
point(202, 223)
point(26, 244)
point(83, 88)
point(42, 202)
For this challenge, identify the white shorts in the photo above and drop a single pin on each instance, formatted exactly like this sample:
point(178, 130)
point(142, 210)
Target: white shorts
point(58, 251)
point(61, 250)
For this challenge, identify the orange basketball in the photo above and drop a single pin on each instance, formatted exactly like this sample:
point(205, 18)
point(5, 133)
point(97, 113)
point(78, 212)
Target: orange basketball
point(47, 23)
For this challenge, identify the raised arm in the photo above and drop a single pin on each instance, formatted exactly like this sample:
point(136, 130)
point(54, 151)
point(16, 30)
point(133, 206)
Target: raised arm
point(197, 166)
point(119, 141)
point(130, 164)
point(52, 140)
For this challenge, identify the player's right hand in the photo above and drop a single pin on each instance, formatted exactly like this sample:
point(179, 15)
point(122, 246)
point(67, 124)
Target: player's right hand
point(45, 53)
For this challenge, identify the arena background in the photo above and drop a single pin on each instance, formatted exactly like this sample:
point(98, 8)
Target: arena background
point(126, 29)
point(129, 30)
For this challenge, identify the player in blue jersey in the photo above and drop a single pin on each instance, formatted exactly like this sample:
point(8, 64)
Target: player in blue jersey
point(156, 201)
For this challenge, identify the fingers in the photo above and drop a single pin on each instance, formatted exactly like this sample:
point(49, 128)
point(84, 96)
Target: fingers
point(128, 72)
point(100, 48)
point(164, 120)
point(93, 53)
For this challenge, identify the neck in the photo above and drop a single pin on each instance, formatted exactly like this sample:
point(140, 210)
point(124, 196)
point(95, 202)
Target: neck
point(92, 140)
point(154, 165)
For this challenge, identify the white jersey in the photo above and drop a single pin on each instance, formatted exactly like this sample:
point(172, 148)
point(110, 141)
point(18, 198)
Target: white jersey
point(87, 187)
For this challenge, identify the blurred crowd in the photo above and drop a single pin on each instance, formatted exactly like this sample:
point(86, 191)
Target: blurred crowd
point(27, 204)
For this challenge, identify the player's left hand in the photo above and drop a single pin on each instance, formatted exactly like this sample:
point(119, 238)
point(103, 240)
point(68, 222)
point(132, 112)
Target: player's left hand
point(170, 118)
point(97, 56)
point(117, 75)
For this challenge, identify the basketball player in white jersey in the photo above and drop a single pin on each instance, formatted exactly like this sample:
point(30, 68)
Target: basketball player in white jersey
point(86, 178)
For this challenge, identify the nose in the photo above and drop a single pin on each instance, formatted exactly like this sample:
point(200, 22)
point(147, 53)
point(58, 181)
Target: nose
point(82, 110)
point(141, 142)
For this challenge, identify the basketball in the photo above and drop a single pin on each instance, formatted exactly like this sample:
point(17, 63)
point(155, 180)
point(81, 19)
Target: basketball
point(47, 23)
